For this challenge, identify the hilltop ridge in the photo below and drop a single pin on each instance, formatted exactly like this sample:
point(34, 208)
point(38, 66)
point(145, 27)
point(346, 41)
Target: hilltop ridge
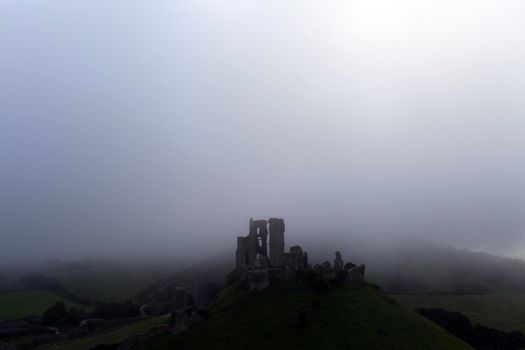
point(294, 315)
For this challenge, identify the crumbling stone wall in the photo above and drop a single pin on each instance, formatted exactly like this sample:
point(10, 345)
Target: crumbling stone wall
point(260, 261)
point(276, 242)
point(253, 249)
point(242, 257)
point(259, 230)
point(338, 262)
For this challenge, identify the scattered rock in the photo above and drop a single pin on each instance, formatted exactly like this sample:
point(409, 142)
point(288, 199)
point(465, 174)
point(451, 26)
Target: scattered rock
point(92, 323)
point(349, 266)
point(326, 266)
point(145, 310)
point(355, 275)
point(338, 262)
point(204, 293)
point(182, 322)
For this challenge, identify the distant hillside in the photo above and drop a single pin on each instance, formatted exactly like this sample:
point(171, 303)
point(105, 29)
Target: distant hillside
point(427, 268)
point(210, 270)
point(15, 305)
point(295, 317)
point(401, 267)
point(96, 280)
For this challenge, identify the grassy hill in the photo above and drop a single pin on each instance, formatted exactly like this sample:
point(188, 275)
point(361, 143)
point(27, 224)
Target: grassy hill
point(14, 305)
point(108, 337)
point(294, 316)
point(500, 311)
point(111, 282)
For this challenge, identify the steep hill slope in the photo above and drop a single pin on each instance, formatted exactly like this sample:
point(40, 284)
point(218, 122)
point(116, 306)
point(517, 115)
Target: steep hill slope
point(293, 316)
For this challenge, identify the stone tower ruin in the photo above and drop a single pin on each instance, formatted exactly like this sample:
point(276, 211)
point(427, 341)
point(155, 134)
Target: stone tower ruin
point(261, 260)
point(255, 251)
point(276, 241)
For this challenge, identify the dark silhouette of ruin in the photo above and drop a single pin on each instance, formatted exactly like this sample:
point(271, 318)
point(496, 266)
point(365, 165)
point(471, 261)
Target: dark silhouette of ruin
point(261, 259)
point(256, 252)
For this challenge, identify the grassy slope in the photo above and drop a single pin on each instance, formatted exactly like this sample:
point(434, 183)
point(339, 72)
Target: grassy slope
point(109, 337)
point(31, 303)
point(500, 311)
point(339, 319)
point(110, 283)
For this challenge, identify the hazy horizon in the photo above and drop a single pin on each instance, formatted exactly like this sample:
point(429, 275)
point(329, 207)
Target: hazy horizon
point(134, 128)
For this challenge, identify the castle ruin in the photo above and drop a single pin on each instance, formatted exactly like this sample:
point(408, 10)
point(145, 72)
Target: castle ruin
point(256, 255)
point(262, 261)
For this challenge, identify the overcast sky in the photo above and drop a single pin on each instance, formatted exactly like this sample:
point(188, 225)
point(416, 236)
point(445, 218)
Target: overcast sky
point(162, 126)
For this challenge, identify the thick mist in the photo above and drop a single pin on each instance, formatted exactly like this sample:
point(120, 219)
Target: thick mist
point(141, 129)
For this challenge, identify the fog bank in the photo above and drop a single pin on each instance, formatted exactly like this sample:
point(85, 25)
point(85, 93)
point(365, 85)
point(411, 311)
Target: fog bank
point(134, 128)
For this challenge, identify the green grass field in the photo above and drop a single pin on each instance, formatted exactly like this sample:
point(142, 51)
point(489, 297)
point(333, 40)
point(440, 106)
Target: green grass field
point(31, 303)
point(500, 311)
point(338, 319)
point(109, 337)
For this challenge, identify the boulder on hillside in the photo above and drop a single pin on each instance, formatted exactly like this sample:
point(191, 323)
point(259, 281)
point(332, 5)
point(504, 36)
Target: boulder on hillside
point(349, 266)
point(182, 322)
point(355, 276)
point(203, 294)
point(92, 323)
point(326, 266)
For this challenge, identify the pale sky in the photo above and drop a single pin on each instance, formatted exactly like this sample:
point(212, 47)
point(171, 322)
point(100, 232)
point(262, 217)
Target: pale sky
point(130, 127)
